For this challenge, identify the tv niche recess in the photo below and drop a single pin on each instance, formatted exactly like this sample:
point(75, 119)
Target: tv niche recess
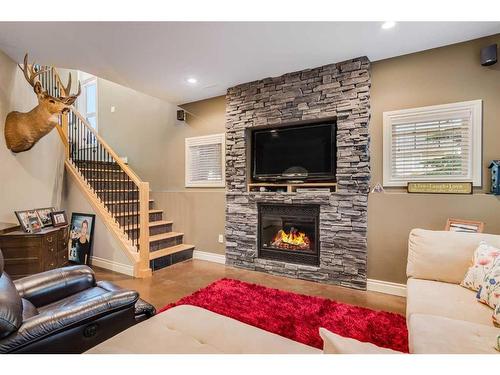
point(293, 157)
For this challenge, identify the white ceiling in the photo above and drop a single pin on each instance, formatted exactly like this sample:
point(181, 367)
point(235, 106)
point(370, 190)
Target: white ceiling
point(158, 57)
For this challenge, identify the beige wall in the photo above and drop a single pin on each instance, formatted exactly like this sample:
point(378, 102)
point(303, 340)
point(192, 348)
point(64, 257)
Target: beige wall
point(443, 75)
point(145, 130)
point(140, 128)
point(106, 251)
point(30, 179)
point(438, 76)
point(137, 129)
point(199, 213)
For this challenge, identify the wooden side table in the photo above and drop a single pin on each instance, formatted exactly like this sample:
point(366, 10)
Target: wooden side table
point(29, 253)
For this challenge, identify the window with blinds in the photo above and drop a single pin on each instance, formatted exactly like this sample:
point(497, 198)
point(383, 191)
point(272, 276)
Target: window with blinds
point(205, 161)
point(438, 143)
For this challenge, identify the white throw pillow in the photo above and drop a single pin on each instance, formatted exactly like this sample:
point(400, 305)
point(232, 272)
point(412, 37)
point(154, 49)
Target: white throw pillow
point(482, 262)
point(489, 291)
point(496, 317)
point(336, 344)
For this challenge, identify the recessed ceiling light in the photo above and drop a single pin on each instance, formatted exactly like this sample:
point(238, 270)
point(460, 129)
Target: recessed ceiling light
point(388, 25)
point(192, 80)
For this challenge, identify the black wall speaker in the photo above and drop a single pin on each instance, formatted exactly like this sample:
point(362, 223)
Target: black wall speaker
point(181, 115)
point(489, 55)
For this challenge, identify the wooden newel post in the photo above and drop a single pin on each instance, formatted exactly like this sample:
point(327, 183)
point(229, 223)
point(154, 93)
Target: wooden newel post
point(64, 128)
point(142, 269)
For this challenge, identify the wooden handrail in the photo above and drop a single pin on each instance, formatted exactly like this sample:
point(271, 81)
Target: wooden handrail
point(141, 267)
point(118, 160)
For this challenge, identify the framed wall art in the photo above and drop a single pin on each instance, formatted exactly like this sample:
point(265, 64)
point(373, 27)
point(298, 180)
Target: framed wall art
point(81, 237)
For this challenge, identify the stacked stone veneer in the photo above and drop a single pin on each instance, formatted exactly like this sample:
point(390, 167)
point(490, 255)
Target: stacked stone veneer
point(341, 90)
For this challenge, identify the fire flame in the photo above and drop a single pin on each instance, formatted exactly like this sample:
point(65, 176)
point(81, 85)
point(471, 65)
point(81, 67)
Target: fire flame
point(294, 238)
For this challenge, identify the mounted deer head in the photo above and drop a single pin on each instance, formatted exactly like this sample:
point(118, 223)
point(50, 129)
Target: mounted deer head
point(23, 130)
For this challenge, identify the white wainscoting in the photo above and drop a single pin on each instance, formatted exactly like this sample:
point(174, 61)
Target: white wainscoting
point(126, 269)
point(210, 257)
point(386, 287)
point(372, 285)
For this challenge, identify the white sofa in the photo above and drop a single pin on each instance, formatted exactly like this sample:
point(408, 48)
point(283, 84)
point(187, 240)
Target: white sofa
point(442, 316)
point(192, 330)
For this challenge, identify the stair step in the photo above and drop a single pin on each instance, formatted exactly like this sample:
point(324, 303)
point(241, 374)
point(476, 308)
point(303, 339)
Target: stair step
point(116, 191)
point(102, 180)
point(101, 170)
point(164, 236)
point(151, 224)
point(169, 251)
point(125, 202)
point(121, 214)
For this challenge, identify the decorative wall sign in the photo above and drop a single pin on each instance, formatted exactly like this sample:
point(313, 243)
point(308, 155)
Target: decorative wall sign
point(440, 187)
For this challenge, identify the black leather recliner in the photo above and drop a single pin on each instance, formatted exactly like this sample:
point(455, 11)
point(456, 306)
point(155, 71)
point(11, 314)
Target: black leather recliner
point(62, 311)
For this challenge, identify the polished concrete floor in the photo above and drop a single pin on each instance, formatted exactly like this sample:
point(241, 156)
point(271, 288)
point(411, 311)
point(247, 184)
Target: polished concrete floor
point(174, 282)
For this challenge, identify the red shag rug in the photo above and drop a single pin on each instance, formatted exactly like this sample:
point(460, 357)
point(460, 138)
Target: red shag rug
point(298, 316)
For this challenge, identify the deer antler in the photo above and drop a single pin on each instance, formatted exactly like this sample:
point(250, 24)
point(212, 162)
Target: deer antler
point(31, 75)
point(29, 72)
point(70, 99)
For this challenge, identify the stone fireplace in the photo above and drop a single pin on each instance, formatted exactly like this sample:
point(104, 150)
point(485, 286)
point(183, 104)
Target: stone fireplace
point(288, 233)
point(335, 249)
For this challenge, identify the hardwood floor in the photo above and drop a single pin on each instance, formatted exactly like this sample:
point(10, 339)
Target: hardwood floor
point(174, 282)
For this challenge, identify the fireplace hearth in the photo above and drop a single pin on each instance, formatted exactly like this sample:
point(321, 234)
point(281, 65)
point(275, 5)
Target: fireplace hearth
point(289, 233)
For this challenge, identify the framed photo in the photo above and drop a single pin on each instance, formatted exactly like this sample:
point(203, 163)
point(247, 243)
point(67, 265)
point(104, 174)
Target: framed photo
point(45, 216)
point(59, 218)
point(81, 238)
point(29, 220)
point(459, 225)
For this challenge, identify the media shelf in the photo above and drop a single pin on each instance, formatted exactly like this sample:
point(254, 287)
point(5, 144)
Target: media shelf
point(267, 187)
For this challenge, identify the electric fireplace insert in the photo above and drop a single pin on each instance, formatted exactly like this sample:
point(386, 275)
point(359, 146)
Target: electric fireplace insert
point(289, 233)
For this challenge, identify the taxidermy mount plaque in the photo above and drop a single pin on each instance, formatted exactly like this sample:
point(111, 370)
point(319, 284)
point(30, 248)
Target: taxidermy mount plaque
point(23, 130)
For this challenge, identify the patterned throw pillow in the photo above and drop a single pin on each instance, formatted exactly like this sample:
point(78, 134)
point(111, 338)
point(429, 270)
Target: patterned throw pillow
point(484, 257)
point(489, 291)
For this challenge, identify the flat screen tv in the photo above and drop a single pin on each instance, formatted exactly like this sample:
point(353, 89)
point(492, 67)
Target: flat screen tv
point(304, 152)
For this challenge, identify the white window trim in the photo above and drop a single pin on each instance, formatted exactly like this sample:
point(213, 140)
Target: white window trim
point(82, 102)
point(475, 160)
point(203, 140)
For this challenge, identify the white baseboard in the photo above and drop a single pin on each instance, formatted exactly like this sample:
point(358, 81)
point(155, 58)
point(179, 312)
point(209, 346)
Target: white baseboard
point(210, 257)
point(372, 285)
point(386, 287)
point(126, 269)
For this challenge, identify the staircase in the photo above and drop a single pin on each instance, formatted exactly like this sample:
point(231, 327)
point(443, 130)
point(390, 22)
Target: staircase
point(115, 192)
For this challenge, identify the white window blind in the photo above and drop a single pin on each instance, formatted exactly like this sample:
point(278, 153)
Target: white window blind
point(205, 161)
point(438, 143)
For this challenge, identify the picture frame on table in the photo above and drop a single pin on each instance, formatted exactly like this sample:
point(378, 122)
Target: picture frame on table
point(29, 220)
point(81, 238)
point(59, 218)
point(45, 216)
point(468, 226)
